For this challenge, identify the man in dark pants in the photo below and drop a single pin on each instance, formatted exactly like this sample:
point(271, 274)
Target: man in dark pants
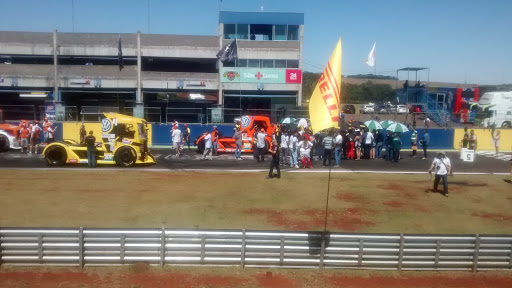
point(443, 168)
point(274, 163)
point(90, 141)
point(425, 141)
point(327, 144)
point(396, 146)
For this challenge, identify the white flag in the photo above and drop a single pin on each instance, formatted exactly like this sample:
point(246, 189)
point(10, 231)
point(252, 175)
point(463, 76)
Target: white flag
point(371, 57)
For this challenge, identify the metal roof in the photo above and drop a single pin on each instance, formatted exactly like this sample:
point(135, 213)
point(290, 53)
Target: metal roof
point(412, 69)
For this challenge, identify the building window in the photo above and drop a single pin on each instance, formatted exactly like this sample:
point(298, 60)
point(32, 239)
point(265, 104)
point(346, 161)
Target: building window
point(242, 31)
point(253, 63)
point(229, 31)
point(267, 63)
point(229, 64)
point(242, 63)
point(280, 32)
point(292, 63)
point(261, 32)
point(293, 32)
point(280, 64)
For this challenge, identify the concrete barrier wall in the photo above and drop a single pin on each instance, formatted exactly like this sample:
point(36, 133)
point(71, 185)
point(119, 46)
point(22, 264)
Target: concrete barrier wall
point(484, 139)
point(439, 139)
point(162, 132)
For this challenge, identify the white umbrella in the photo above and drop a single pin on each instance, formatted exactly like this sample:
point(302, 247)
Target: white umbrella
point(303, 122)
point(397, 127)
point(288, 120)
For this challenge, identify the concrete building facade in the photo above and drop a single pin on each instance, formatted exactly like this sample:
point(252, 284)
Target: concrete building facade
point(60, 70)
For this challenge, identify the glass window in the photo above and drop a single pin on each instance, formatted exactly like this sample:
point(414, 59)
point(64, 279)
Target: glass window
point(229, 31)
point(261, 32)
point(229, 64)
point(242, 31)
point(242, 63)
point(280, 64)
point(293, 32)
point(292, 63)
point(253, 63)
point(267, 63)
point(280, 32)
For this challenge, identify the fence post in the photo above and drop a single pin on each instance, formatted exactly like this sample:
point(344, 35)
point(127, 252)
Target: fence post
point(121, 256)
point(162, 248)
point(40, 248)
point(242, 252)
point(438, 253)
point(401, 252)
point(509, 259)
point(281, 252)
point(81, 247)
point(322, 251)
point(476, 252)
point(203, 247)
point(360, 253)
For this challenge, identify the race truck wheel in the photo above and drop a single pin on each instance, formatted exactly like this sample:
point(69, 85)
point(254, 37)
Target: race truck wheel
point(56, 156)
point(200, 146)
point(4, 143)
point(125, 156)
point(505, 125)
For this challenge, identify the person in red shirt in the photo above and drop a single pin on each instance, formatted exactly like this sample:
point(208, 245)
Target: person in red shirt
point(24, 136)
point(34, 137)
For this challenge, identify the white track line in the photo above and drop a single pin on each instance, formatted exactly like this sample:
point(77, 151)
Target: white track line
point(241, 170)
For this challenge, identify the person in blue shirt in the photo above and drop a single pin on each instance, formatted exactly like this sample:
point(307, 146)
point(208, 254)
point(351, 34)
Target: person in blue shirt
point(425, 141)
point(379, 140)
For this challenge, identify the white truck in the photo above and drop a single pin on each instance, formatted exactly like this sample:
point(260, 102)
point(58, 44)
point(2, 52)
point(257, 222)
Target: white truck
point(499, 108)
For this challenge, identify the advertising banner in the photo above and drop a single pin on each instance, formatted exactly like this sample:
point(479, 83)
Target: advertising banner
point(260, 75)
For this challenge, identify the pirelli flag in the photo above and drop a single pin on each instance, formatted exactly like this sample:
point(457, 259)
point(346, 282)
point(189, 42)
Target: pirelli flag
point(324, 105)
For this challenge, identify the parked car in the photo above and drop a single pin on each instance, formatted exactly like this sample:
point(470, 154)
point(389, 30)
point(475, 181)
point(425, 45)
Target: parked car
point(382, 109)
point(368, 108)
point(399, 109)
point(348, 109)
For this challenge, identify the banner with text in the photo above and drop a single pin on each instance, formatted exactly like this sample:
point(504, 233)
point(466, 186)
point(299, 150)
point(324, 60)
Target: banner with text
point(261, 75)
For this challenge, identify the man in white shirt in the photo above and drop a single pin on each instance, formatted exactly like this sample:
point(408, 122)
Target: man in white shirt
point(368, 144)
point(176, 140)
point(305, 152)
point(443, 168)
point(338, 149)
point(207, 145)
point(260, 144)
point(293, 150)
point(285, 152)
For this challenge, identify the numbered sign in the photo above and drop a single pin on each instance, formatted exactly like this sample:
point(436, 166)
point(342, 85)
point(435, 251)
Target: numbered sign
point(468, 155)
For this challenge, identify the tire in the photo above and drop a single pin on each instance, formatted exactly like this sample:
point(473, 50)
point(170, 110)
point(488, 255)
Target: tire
point(4, 143)
point(56, 156)
point(125, 156)
point(505, 125)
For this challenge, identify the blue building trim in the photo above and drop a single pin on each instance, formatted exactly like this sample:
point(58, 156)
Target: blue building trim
point(275, 18)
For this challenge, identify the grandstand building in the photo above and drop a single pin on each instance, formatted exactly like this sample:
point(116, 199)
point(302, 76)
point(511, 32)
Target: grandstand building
point(65, 74)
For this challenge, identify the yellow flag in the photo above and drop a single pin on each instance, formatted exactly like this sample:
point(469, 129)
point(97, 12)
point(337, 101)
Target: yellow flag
point(324, 105)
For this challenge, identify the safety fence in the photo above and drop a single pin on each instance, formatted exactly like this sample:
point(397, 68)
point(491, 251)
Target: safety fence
point(249, 248)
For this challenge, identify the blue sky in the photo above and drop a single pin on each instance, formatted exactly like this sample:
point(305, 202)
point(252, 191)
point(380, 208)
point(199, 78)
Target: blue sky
point(460, 40)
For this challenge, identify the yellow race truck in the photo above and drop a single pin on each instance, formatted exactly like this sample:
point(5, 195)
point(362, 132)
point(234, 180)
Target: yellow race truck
point(123, 142)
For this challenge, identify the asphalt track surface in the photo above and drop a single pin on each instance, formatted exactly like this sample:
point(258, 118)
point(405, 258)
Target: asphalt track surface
point(485, 162)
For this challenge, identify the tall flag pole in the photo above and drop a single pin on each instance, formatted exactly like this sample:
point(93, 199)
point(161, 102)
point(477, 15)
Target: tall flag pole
point(372, 60)
point(324, 105)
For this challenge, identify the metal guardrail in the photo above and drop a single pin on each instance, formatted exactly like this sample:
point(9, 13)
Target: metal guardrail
point(248, 248)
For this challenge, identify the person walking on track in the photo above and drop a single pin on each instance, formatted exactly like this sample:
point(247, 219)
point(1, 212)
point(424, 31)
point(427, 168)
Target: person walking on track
point(207, 145)
point(425, 141)
point(442, 167)
point(274, 163)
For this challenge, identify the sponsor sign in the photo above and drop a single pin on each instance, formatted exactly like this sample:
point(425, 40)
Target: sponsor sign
point(467, 155)
point(247, 146)
point(245, 121)
point(80, 82)
point(108, 157)
point(106, 125)
point(260, 75)
point(49, 111)
point(72, 161)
